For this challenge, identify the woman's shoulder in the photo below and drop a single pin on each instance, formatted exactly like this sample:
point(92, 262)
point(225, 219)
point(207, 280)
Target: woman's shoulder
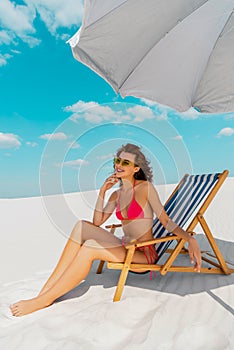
point(142, 185)
point(145, 186)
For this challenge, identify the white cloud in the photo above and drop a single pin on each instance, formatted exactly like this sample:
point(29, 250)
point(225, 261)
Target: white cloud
point(6, 37)
point(178, 137)
point(164, 111)
point(80, 106)
point(30, 40)
point(162, 116)
point(160, 111)
point(16, 51)
point(17, 20)
point(32, 144)
point(74, 164)
point(7, 154)
point(59, 136)
point(226, 132)
point(148, 102)
point(191, 113)
point(141, 113)
point(4, 58)
point(9, 141)
point(91, 112)
point(73, 145)
point(105, 156)
point(95, 113)
point(65, 37)
point(58, 13)
point(229, 116)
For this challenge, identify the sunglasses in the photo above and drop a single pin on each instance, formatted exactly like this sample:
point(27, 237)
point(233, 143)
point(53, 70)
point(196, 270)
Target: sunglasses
point(123, 162)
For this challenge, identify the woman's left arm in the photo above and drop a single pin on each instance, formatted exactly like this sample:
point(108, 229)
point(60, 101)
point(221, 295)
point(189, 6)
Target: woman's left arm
point(171, 226)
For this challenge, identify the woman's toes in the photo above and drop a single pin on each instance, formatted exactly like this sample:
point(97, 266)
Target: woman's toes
point(14, 309)
point(16, 312)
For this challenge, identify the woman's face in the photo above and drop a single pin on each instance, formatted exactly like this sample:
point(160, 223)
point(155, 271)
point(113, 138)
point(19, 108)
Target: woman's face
point(123, 170)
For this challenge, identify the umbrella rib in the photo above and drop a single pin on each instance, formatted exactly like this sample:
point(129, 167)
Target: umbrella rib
point(130, 73)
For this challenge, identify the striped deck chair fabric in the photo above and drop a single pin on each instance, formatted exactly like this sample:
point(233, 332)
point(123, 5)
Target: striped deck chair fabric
point(180, 207)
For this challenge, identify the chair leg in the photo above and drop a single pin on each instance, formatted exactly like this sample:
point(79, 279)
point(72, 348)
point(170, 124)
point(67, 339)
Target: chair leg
point(213, 244)
point(100, 267)
point(124, 274)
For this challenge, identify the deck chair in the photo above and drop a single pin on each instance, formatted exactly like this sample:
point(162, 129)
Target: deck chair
point(186, 206)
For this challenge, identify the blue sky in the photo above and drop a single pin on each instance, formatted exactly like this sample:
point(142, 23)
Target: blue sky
point(60, 123)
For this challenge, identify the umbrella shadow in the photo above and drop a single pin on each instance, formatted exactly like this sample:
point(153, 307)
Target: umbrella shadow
point(180, 284)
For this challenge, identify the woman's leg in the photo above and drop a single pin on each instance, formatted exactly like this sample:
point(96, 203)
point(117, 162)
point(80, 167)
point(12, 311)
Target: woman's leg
point(77, 270)
point(73, 275)
point(82, 231)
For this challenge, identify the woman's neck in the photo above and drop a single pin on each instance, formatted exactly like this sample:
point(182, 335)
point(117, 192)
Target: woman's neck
point(128, 183)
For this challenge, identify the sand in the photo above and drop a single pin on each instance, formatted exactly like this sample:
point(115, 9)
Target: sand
point(176, 311)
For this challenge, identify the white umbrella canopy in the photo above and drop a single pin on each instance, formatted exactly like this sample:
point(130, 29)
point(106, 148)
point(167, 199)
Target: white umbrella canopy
point(179, 53)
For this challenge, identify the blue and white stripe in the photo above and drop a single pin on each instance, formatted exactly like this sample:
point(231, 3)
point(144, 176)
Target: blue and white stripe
point(181, 207)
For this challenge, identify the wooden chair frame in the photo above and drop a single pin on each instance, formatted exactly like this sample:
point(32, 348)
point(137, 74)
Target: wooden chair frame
point(219, 267)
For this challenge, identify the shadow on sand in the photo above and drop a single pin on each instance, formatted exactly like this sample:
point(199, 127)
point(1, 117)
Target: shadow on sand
point(175, 283)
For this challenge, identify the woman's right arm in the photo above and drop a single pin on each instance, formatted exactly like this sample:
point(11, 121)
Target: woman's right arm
point(101, 213)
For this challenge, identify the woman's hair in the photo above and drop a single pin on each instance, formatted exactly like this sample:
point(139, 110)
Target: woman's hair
point(145, 172)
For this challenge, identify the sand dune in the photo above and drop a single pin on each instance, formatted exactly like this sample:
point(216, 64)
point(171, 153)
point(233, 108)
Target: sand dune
point(177, 311)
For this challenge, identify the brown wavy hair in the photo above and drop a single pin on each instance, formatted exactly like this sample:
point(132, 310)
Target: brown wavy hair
point(145, 173)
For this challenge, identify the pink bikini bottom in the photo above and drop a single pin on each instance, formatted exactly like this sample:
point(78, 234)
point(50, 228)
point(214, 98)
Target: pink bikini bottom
point(150, 254)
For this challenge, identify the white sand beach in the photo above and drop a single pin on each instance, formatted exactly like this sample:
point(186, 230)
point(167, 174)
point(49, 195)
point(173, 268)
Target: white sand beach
point(176, 311)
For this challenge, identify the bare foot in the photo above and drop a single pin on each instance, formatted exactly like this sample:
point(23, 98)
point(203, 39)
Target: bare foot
point(24, 307)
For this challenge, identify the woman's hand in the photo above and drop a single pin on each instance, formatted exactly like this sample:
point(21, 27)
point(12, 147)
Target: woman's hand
point(194, 253)
point(101, 212)
point(109, 182)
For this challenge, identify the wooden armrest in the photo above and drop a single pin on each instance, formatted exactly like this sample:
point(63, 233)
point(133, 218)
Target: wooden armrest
point(155, 240)
point(152, 241)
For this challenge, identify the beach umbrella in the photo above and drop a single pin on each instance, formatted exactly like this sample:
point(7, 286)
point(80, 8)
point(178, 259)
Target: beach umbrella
point(179, 53)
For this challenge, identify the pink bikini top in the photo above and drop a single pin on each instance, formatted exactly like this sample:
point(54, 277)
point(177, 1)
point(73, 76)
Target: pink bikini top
point(134, 211)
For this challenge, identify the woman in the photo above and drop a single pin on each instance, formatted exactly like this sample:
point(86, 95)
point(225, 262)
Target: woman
point(135, 202)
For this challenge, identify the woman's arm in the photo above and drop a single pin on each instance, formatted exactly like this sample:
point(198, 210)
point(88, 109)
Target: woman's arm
point(171, 226)
point(101, 213)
